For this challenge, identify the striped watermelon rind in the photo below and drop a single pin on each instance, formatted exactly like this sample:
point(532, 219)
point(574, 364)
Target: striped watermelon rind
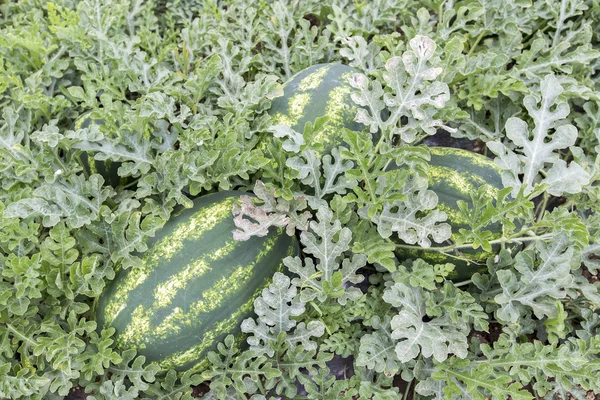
point(453, 175)
point(195, 285)
point(108, 169)
point(322, 90)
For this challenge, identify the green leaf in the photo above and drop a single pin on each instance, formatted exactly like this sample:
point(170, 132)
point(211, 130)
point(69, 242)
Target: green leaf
point(21, 384)
point(98, 354)
point(436, 338)
point(488, 123)
point(59, 346)
point(129, 233)
point(275, 308)
point(377, 249)
point(173, 388)
point(273, 212)
point(331, 180)
point(540, 277)
point(133, 369)
point(295, 364)
point(115, 389)
point(76, 200)
point(572, 363)
point(377, 349)
point(544, 57)
point(327, 241)
point(23, 274)
point(362, 55)
point(412, 92)
point(479, 379)
point(133, 151)
point(538, 149)
point(233, 368)
point(404, 219)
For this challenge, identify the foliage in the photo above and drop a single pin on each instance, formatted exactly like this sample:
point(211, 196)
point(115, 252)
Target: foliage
point(184, 88)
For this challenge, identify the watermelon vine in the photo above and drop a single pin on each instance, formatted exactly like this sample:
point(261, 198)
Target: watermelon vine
point(299, 199)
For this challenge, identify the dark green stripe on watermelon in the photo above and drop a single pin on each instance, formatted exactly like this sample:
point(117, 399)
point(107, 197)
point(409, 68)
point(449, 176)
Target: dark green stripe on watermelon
point(108, 169)
point(194, 286)
point(453, 175)
point(317, 91)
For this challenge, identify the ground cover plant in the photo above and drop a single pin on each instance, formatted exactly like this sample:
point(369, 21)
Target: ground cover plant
point(175, 98)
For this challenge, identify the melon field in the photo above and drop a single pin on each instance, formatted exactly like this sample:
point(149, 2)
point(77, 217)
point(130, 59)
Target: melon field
point(300, 199)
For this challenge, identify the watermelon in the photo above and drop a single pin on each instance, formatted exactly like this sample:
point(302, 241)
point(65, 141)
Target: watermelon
point(108, 169)
point(194, 285)
point(453, 175)
point(318, 91)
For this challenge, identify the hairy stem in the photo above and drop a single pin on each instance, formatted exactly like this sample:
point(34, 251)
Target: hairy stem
point(470, 245)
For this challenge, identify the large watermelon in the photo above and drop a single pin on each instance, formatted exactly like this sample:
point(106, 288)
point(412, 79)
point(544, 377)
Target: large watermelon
point(317, 91)
point(453, 175)
point(194, 286)
point(107, 169)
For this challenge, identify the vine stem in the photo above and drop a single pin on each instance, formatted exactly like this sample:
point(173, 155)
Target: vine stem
point(20, 335)
point(408, 385)
point(477, 40)
point(463, 283)
point(467, 246)
point(261, 387)
point(135, 182)
point(542, 206)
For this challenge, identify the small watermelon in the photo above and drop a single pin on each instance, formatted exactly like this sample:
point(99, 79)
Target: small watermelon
point(194, 286)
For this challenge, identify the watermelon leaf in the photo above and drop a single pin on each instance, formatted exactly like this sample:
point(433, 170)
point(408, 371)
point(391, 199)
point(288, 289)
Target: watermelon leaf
point(133, 150)
point(129, 235)
point(362, 55)
point(22, 383)
point(263, 220)
point(404, 217)
point(486, 211)
point(73, 199)
point(99, 355)
point(376, 351)
point(438, 337)
point(412, 92)
point(275, 307)
point(572, 363)
point(540, 277)
point(432, 323)
point(309, 44)
point(331, 180)
point(334, 168)
point(536, 149)
point(381, 388)
point(133, 368)
point(274, 211)
point(327, 241)
point(476, 381)
point(128, 377)
point(24, 280)
point(591, 252)
point(115, 389)
point(488, 123)
point(231, 369)
point(378, 185)
point(378, 250)
point(296, 363)
point(295, 140)
point(174, 387)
